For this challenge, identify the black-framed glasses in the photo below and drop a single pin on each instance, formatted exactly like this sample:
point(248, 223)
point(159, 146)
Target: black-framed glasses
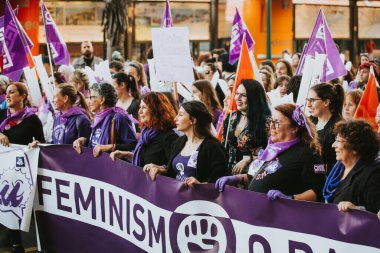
point(277, 123)
point(312, 100)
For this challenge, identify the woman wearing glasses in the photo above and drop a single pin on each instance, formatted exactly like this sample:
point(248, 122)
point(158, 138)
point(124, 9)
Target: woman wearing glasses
point(325, 103)
point(290, 166)
point(112, 125)
point(245, 130)
point(353, 183)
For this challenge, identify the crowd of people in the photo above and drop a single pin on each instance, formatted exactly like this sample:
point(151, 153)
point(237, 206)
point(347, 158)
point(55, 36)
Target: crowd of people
point(315, 152)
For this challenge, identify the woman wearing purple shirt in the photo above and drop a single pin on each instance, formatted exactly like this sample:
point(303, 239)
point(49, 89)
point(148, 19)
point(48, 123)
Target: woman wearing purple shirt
point(112, 125)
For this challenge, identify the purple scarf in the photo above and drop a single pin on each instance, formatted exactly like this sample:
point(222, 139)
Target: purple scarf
point(100, 116)
point(147, 134)
point(20, 115)
point(75, 110)
point(2, 98)
point(273, 150)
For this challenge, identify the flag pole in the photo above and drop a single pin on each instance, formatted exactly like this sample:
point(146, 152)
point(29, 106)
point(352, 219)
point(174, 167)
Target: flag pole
point(47, 42)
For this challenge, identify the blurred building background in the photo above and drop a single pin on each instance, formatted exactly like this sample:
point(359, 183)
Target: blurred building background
point(274, 24)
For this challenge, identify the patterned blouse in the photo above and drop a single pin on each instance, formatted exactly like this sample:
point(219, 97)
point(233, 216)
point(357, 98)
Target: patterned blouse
point(244, 144)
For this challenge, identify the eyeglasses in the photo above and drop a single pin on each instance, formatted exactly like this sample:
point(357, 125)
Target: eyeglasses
point(339, 140)
point(243, 95)
point(312, 100)
point(277, 124)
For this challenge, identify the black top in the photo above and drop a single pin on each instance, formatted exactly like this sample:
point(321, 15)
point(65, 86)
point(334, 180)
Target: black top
point(24, 132)
point(159, 148)
point(327, 138)
point(361, 186)
point(133, 108)
point(302, 169)
point(211, 162)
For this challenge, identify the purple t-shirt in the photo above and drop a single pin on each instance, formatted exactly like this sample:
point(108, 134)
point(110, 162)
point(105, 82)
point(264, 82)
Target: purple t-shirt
point(123, 131)
point(185, 166)
point(75, 127)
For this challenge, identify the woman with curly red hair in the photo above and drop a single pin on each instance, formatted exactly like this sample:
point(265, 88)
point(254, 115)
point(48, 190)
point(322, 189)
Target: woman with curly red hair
point(156, 117)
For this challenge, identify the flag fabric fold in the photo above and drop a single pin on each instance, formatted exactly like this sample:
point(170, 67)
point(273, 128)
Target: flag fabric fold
point(321, 42)
point(239, 29)
point(167, 21)
point(15, 56)
point(244, 71)
point(57, 45)
point(369, 102)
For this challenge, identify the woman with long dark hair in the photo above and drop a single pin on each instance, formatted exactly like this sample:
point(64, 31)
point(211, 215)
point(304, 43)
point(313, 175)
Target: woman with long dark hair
point(197, 157)
point(325, 102)
point(245, 130)
point(127, 93)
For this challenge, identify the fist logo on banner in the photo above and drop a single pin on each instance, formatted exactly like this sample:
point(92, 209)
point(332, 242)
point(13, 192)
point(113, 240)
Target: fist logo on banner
point(200, 230)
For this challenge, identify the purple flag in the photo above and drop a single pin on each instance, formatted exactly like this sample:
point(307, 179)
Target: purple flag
point(167, 18)
point(14, 55)
point(238, 30)
point(58, 46)
point(321, 42)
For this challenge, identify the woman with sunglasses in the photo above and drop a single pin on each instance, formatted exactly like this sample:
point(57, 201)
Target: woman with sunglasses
point(290, 166)
point(112, 125)
point(245, 130)
point(325, 103)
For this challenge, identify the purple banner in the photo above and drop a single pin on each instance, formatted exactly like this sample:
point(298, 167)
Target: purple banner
point(97, 205)
point(14, 54)
point(53, 37)
point(321, 42)
point(238, 30)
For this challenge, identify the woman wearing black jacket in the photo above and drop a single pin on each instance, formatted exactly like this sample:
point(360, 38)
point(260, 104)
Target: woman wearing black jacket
point(197, 157)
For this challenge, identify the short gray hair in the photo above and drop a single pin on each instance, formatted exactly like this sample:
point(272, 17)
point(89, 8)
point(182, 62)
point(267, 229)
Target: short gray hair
point(4, 82)
point(107, 91)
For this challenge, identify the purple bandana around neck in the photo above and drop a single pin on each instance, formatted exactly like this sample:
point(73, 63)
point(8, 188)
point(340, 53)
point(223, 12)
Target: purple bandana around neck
point(20, 115)
point(273, 150)
point(2, 98)
point(147, 134)
point(100, 116)
point(75, 110)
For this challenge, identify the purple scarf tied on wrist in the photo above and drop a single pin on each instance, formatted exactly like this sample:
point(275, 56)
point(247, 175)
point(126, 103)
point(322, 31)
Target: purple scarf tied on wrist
point(100, 116)
point(75, 110)
point(300, 119)
point(147, 134)
point(20, 115)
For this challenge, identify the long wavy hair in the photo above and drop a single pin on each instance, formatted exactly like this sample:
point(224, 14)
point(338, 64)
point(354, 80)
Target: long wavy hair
point(258, 110)
point(209, 97)
point(162, 112)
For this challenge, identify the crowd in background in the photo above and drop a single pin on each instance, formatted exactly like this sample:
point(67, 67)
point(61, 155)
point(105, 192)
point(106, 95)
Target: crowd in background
point(318, 152)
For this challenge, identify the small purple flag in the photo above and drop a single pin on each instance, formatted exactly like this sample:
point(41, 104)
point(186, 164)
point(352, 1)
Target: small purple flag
point(321, 42)
point(53, 37)
point(238, 30)
point(167, 17)
point(14, 56)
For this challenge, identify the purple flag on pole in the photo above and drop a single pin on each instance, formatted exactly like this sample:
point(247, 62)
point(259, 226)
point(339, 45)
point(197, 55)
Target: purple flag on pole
point(321, 42)
point(167, 18)
point(14, 55)
point(238, 30)
point(58, 46)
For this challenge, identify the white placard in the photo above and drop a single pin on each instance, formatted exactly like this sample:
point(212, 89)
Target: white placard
point(183, 91)
point(32, 83)
point(44, 78)
point(172, 54)
point(153, 81)
point(103, 71)
point(91, 75)
point(306, 80)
